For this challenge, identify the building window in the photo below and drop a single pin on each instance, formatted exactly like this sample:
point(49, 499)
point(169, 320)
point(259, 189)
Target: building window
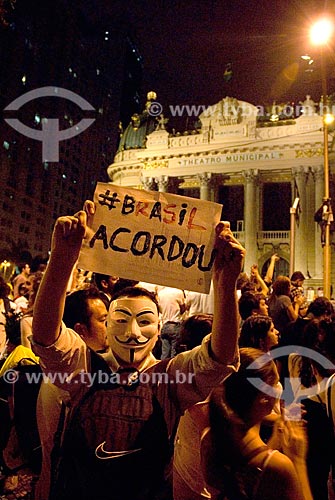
point(190, 192)
point(232, 201)
point(277, 198)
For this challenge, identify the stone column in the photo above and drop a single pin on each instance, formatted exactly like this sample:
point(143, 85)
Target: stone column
point(205, 180)
point(149, 183)
point(318, 173)
point(300, 176)
point(251, 217)
point(163, 183)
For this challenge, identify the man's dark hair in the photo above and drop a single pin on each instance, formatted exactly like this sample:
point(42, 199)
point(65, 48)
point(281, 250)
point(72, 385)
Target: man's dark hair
point(244, 284)
point(254, 330)
point(119, 284)
point(193, 330)
point(123, 283)
point(297, 275)
point(248, 302)
point(76, 306)
point(281, 286)
point(136, 291)
point(98, 278)
point(22, 265)
point(320, 306)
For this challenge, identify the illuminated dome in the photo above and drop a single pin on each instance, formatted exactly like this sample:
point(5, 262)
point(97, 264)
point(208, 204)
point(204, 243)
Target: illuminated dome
point(140, 126)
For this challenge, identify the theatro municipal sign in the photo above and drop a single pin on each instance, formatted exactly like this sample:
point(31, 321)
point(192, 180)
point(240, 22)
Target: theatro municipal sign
point(231, 158)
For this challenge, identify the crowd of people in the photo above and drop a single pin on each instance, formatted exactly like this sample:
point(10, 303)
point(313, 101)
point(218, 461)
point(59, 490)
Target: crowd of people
point(147, 392)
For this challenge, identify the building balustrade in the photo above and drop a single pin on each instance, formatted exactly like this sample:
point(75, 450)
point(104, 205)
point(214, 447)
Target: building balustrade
point(266, 236)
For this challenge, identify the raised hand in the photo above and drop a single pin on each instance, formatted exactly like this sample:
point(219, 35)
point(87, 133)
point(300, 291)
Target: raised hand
point(230, 254)
point(67, 236)
point(89, 208)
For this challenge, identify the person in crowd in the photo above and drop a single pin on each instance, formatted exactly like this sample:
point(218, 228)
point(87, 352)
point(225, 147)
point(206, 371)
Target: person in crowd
point(315, 375)
point(251, 303)
point(20, 355)
point(38, 264)
point(228, 458)
point(200, 303)
point(259, 332)
point(293, 334)
point(281, 310)
point(86, 313)
point(27, 319)
point(6, 307)
point(268, 278)
point(21, 302)
point(254, 283)
point(320, 308)
point(236, 462)
point(172, 306)
point(303, 308)
point(243, 284)
point(297, 281)
point(20, 278)
point(257, 280)
point(108, 285)
point(105, 284)
point(133, 327)
point(194, 329)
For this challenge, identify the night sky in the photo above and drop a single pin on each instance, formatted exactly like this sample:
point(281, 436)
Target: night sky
point(186, 46)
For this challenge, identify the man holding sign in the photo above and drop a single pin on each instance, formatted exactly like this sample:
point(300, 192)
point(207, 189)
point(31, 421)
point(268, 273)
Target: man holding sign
point(113, 441)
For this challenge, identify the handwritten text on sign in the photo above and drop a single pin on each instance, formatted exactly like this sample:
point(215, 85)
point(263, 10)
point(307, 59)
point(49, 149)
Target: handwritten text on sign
point(152, 236)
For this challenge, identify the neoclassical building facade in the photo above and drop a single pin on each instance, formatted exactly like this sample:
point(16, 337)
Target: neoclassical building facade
point(255, 169)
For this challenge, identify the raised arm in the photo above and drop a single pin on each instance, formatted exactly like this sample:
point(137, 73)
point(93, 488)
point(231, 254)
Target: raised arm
point(260, 283)
point(227, 266)
point(269, 273)
point(49, 305)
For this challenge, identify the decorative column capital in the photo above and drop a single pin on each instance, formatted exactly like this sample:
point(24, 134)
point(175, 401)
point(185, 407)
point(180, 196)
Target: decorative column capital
point(163, 182)
point(148, 183)
point(300, 173)
point(318, 172)
point(250, 176)
point(205, 179)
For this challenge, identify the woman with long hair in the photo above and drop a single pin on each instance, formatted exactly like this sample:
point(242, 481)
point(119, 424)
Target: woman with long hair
point(235, 460)
point(281, 309)
point(220, 448)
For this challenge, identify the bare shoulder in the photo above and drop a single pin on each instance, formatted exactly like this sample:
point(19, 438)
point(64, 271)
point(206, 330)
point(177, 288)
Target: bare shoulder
point(279, 480)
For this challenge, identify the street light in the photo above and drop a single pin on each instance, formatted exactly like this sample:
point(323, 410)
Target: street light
point(293, 214)
point(320, 34)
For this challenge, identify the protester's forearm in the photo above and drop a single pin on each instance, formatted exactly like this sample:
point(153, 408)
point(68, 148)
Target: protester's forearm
point(49, 304)
point(225, 322)
point(270, 270)
point(262, 284)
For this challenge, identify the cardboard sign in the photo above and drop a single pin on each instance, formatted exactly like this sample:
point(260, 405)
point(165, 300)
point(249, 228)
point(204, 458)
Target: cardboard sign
point(151, 236)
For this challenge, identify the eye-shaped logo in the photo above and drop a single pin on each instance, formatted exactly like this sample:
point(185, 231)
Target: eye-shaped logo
point(50, 135)
point(294, 382)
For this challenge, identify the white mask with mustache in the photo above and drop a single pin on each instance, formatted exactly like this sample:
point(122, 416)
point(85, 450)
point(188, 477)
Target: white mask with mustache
point(132, 328)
